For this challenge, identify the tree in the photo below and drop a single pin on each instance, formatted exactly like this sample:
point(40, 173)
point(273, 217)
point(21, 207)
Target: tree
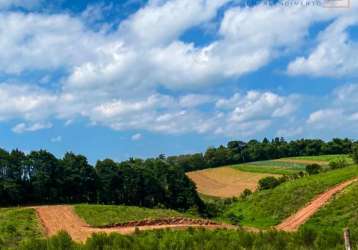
point(355, 153)
point(312, 169)
point(268, 182)
point(79, 179)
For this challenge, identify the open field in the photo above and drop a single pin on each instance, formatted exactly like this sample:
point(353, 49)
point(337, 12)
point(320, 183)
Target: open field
point(268, 208)
point(225, 181)
point(341, 212)
point(104, 215)
point(319, 158)
point(271, 167)
point(17, 224)
point(289, 165)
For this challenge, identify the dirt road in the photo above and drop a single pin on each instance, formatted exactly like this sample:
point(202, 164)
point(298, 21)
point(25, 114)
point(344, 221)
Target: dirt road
point(62, 217)
point(293, 222)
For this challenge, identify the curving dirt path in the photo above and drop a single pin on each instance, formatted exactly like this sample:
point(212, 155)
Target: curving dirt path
point(62, 217)
point(293, 222)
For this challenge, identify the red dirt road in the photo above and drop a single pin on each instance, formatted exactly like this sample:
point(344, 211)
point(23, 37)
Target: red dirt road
point(293, 222)
point(62, 217)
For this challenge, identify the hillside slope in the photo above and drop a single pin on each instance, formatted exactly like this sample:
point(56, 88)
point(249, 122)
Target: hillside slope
point(270, 207)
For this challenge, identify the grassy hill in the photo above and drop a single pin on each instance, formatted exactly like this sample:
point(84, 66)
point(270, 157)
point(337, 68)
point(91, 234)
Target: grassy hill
point(16, 225)
point(103, 215)
point(341, 212)
point(269, 207)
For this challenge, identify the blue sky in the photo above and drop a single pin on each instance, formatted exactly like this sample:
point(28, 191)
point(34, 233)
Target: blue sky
point(139, 78)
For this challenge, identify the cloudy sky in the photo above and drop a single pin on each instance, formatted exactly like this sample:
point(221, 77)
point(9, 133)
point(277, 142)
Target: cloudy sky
point(139, 78)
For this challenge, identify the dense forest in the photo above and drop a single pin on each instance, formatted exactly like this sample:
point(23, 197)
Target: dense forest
point(40, 177)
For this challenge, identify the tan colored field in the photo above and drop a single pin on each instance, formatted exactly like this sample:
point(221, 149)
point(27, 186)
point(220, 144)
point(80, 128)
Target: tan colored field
point(225, 181)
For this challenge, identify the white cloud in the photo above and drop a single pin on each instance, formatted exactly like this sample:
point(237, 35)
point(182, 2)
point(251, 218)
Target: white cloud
point(27, 102)
point(22, 127)
point(136, 137)
point(27, 4)
point(335, 54)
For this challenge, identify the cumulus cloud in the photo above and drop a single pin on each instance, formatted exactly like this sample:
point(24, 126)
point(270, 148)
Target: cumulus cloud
point(28, 102)
point(340, 114)
point(113, 77)
point(335, 54)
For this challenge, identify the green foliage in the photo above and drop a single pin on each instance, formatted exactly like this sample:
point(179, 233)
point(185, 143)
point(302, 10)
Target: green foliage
point(16, 225)
point(246, 193)
point(103, 215)
point(194, 239)
point(268, 182)
point(338, 163)
point(269, 207)
point(312, 169)
point(355, 153)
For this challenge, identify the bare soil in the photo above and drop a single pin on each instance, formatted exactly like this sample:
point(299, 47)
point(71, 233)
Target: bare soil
point(225, 182)
point(293, 222)
point(63, 218)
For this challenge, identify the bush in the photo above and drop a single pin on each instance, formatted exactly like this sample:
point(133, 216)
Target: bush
point(268, 183)
point(313, 169)
point(355, 153)
point(247, 192)
point(338, 163)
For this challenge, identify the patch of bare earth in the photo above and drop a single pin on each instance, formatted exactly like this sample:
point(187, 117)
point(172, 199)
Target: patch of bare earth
point(225, 181)
point(63, 218)
point(293, 222)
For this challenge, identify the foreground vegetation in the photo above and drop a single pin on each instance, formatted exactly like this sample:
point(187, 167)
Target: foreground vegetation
point(104, 215)
point(269, 207)
point(197, 240)
point(18, 224)
point(341, 212)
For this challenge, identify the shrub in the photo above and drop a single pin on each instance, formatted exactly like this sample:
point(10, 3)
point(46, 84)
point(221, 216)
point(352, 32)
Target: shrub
point(268, 183)
point(247, 192)
point(355, 153)
point(338, 163)
point(313, 169)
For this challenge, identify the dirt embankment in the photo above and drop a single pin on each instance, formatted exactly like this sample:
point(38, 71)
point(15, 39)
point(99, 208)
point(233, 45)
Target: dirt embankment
point(62, 217)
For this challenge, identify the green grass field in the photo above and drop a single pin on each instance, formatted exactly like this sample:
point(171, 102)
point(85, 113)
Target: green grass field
point(324, 158)
point(341, 212)
point(271, 167)
point(16, 225)
point(269, 207)
point(286, 165)
point(103, 215)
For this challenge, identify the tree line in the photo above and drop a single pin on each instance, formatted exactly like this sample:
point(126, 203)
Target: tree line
point(41, 178)
point(236, 152)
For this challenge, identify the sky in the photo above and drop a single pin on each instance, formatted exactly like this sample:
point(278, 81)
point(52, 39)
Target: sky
point(139, 78)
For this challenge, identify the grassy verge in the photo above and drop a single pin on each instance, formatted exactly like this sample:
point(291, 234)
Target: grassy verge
point(102, 215)
point(269, 207)
point(16, 225)
point(341, 212)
